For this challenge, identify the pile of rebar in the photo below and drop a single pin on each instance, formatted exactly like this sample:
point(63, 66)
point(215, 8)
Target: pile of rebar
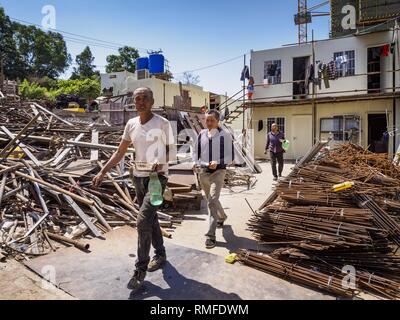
point(46, 196)
point(312, 234)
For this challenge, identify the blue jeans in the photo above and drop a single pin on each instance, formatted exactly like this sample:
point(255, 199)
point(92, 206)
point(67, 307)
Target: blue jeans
point(148, 228)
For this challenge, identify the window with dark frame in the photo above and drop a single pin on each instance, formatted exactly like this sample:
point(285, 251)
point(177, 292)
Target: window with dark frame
point(348, 68)
point(342, 128)
point(280, 121)
point(273, 71)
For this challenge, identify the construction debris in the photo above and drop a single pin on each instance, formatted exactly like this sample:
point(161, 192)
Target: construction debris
point(327, 238)
point(47, 164)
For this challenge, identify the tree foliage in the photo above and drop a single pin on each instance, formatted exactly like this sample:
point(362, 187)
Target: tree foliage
point(85, 67)
point(88, 89)
point(29, 52)
point(126, 60)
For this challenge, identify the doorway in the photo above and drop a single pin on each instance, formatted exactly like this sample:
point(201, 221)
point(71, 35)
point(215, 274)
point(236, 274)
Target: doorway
point(301, 135)
point(377, 127)
point(374, 67)
point(300, 66)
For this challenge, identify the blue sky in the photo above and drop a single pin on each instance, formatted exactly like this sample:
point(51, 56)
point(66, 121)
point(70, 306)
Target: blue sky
point(192, 34)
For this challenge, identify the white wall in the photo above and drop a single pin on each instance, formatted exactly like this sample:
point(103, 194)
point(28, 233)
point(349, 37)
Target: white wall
point(126, 81)
point(324, 51)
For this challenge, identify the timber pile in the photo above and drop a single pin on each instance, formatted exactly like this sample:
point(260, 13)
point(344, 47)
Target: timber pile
point(320, 233)
point(46, 168)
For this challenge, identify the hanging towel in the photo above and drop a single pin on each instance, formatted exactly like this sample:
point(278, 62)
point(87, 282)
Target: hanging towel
point(332, 70)
point(325, 74)
point(385, 50)
point(260, 125)
point(245, 73)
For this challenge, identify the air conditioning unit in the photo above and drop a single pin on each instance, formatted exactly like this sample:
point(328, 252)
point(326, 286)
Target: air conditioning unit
point(142, 74)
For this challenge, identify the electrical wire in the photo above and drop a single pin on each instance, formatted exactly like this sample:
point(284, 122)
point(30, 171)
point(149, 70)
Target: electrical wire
point(98, 41)
point(213, 65)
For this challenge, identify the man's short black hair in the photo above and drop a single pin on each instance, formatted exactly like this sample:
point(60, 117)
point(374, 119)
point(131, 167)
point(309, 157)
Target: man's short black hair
point(214, 113)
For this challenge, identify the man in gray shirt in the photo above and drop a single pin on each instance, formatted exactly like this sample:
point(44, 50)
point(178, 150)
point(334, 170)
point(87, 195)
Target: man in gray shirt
point(213, 152)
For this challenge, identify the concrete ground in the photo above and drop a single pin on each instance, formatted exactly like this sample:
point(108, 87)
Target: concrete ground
point(18, 282)
point(234, 235)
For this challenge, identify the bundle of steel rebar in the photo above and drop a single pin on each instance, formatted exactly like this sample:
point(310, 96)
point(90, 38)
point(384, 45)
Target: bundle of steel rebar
point(322, 228)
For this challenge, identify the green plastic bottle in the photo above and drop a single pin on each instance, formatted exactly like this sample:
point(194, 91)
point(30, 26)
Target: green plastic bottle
point(285, 145)
point(155, 190)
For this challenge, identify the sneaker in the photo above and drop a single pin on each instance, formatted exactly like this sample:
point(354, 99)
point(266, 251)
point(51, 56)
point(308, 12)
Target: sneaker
point(157, 263)
point(136, 281)
point(220, 224)
point(210, 243)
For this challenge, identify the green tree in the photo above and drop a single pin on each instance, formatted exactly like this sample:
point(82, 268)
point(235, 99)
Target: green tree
point(85, 67)
point(29, 52)
point(126, 60)
point(88, 88)
point(13, 65)
point(32, 91)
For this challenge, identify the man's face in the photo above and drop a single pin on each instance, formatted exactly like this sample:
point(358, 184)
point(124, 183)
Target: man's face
point(274, 128)
point(143, 101)
point(211, 122)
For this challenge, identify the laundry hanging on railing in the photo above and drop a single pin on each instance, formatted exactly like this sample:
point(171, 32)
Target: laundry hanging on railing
point(385, 50)
point(323, 74)
point(332, 72)
point(341, 65)
point(250, 88)
point(245, 73)
point(309, 77)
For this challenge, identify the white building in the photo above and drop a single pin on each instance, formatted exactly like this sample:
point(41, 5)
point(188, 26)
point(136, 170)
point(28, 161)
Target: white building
point(361, 105)
point(164, 91)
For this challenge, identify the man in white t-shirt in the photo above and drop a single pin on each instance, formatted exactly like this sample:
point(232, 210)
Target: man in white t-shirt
point(151, 136)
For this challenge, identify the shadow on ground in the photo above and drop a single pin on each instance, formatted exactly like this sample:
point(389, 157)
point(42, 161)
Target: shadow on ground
point(180, 288)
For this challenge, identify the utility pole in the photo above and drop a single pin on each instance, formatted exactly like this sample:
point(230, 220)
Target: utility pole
point(314, 106)
point(244, 93)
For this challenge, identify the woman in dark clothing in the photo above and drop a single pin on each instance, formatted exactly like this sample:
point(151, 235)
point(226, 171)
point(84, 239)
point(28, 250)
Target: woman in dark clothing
point(274, 146)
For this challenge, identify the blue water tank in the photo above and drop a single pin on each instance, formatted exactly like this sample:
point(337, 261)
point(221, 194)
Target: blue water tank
point(142, 63)
point(156, 63)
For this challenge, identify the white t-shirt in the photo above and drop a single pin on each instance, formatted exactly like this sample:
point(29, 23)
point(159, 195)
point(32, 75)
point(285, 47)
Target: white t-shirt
point(150, 141)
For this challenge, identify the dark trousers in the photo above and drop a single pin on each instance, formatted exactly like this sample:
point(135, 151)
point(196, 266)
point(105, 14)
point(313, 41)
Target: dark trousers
point(148, 228)
point(276, 157)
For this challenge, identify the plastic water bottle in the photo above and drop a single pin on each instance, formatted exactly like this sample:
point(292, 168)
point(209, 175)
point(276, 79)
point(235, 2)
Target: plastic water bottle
point(155, 190)
point(285, 145)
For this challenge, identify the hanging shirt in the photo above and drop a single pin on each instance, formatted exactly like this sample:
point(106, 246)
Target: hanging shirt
point(245, 73)
point(385, 50)
point(332, 70)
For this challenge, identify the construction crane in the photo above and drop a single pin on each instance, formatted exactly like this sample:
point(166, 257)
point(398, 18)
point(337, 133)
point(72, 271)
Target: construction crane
point(304, 17)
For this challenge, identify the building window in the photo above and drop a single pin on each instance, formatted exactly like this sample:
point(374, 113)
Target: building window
point(341, 128)
point(345, 63)
point(272, 72)
point(279, 121)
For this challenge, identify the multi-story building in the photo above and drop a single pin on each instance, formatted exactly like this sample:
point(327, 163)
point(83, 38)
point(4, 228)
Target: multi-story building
point(344, 87)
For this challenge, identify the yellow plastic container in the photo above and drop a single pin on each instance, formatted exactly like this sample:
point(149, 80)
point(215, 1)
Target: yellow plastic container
point(343, 186)
point(231, 258)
